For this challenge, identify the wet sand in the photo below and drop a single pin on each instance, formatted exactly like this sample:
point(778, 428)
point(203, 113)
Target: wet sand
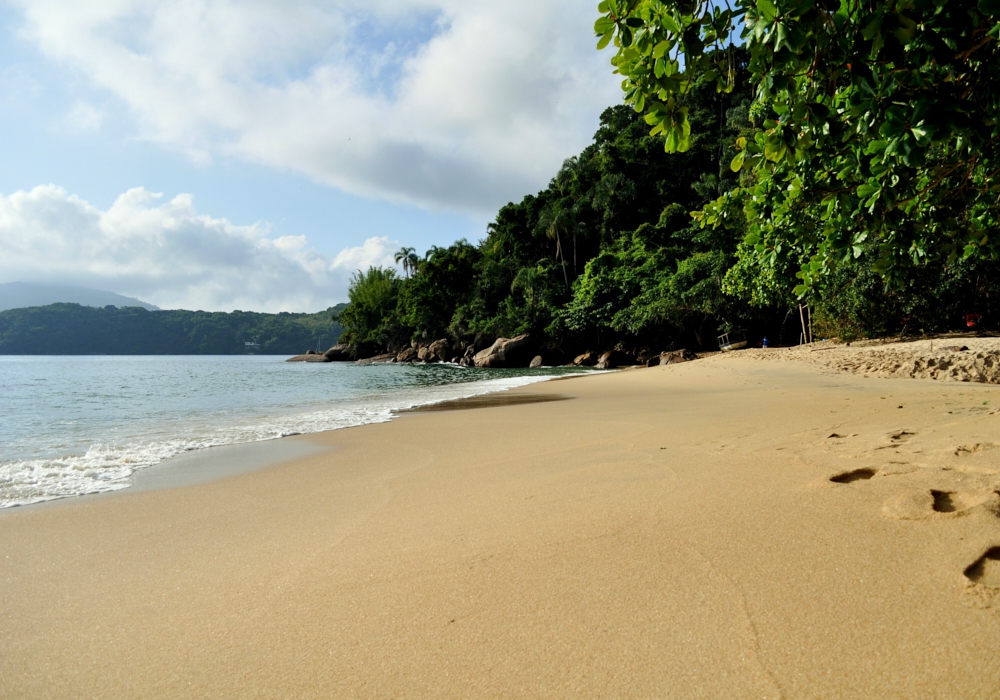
point(721, 528)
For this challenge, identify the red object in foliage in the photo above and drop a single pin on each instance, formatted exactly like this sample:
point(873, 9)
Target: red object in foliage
point(971, 320)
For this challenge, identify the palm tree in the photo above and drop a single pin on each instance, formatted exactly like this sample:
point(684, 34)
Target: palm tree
point(408, 257)
point(554, 221)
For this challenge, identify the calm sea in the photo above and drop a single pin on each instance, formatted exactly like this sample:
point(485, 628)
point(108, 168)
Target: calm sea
point(78, 425)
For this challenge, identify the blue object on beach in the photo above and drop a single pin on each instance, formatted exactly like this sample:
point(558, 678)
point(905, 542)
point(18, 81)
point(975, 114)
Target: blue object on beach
point(764, 344)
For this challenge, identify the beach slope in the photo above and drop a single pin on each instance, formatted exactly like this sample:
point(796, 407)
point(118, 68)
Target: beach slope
point(721, 528)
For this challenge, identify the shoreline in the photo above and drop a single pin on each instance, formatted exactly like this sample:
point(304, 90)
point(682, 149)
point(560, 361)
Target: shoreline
point(673, 532)
point(230, 458)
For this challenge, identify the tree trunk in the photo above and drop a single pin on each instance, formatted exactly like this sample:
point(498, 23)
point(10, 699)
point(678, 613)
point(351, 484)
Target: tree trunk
point(562, 258)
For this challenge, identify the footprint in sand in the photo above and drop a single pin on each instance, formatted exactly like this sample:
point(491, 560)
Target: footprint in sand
point(897, 438)
point(985, 571)
point(854, 475)
point(953, 501)
point(975, 448)
point(935, 503)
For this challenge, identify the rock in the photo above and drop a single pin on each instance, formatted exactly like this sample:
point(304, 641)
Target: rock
point(310, 352)
point(614, 358)
point(536, 362)
point(439, 351)
point(407, 355)
point(423, 353)
point(587, 359)
point(505, 352)
point(672, 358)
point(341, 352)
point(384, 358)
point(308, 357)
point(455, 360)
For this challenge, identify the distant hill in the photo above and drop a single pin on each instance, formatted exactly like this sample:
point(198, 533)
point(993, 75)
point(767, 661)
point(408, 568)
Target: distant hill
point(73, 329)
point(19, 295)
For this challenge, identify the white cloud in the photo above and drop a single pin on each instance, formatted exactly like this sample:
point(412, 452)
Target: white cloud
point(169, 254)
point(457, 104)
point(84, 117)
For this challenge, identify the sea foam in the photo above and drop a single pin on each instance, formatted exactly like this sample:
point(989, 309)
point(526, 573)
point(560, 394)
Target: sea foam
point(108, 465)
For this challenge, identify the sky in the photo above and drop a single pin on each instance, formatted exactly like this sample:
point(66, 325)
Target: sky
point(253, 154)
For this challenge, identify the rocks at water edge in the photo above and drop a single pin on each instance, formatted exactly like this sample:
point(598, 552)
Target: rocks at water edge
point(310, 356)
point(614, 358)
point(384, 358)
point(341, 352)
point(439, 351)
point(407, 355)
point(505, 352)
point(536, 362)
point(671, 358)
point(587, 359)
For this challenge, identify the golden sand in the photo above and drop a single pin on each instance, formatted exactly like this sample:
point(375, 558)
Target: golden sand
point(726, 528)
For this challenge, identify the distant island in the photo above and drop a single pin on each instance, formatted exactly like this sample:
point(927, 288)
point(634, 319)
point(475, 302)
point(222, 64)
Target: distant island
point(19, 295)
point(74, 329)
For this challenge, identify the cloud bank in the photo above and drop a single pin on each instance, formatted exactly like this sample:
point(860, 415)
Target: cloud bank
point(166, 253)
point(448, 104)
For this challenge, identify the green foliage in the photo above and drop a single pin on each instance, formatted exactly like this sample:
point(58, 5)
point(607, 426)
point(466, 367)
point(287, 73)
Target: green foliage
point(372, 299)
point(857, 303)
point(606, 254)
point(444, 279)
point(878, 135)
point(71, 329)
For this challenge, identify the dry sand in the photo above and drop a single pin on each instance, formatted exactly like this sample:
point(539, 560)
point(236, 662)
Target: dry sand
point(958, 358)
point(727, 528)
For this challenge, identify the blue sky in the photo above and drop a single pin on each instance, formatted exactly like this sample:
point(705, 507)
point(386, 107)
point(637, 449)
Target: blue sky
point(292, 142)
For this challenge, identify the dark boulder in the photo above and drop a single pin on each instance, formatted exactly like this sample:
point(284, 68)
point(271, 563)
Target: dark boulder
point(384, 358)
point(614, 358)
point(341, 352)
point(672, 358)
point(407, 355)
point(308, 357)
point(439, 351)
point(587, 359)
point(506, 352)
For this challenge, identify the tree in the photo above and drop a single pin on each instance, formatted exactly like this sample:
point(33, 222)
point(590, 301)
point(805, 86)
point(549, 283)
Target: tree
point(372, 301)
point(877, 132)
point(409, 258)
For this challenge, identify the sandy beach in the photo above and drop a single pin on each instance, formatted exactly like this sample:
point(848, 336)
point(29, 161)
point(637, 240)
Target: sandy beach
point(727, 528)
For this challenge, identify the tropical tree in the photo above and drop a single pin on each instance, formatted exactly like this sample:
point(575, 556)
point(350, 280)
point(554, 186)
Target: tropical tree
point(372, 301)
point(877, 121)
point(409, 259)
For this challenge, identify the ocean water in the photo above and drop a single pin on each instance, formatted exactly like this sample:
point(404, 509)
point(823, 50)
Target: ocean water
point(77, 425)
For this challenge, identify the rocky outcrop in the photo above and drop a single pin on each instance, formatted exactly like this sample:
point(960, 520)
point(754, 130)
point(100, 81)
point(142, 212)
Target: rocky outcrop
point(536, 362)
point(614, 358)
point(587, 359)
point(439, 351)
point(384, 358)
point(505, 352)
point(310, 356)
point(672, 358)
point(341, 352)
point(643, 358)
point(407, 355)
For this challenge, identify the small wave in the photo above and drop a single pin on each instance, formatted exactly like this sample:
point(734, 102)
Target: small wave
point(108, 466)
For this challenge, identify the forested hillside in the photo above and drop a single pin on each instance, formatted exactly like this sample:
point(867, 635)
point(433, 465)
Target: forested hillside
point(71, 329)
point(609, 255)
